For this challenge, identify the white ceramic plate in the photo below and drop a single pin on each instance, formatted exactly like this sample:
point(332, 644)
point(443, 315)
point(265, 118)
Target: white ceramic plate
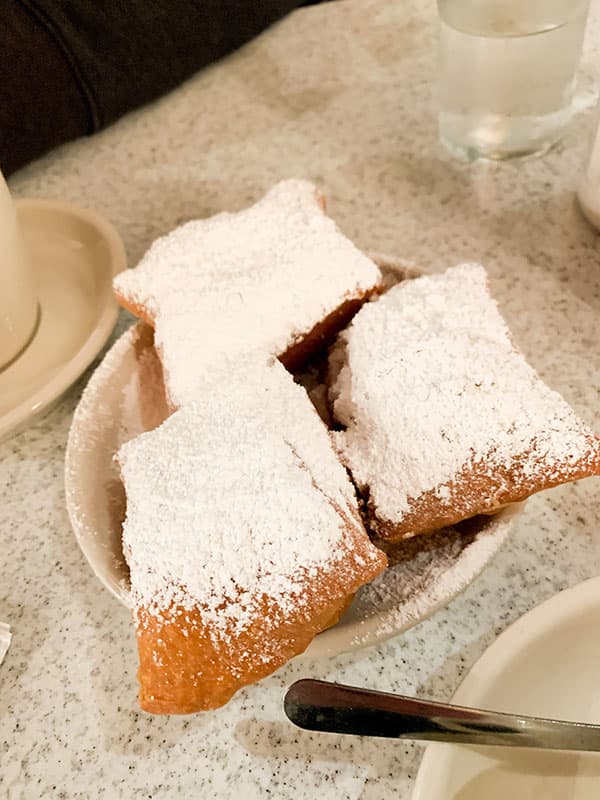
point(546, 664)
point(74, 254)
point(113, 408)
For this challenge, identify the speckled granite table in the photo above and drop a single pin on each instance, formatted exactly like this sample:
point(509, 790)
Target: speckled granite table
point(341, 94)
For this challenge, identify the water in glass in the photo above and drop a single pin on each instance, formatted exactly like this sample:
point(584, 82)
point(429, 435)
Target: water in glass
point(507, 71)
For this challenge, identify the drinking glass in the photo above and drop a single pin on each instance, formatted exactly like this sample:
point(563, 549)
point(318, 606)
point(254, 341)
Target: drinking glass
point(507, 74)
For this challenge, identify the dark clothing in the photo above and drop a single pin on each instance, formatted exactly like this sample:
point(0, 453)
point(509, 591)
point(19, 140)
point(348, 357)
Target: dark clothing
point(71, 67)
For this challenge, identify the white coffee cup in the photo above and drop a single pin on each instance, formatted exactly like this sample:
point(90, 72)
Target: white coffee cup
point(18, 300)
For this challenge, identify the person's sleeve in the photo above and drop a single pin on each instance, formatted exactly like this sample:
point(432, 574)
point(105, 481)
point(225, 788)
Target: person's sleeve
point(71, 67)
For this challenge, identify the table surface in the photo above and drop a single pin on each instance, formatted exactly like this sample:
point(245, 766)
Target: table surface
point(341, 94)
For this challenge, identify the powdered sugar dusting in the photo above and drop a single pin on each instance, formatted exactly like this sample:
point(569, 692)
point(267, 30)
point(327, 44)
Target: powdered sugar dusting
point(235, 284)
point(425, 577)
point(108, 415)
point(432, 383)
point(236, 494)
point(123, 398)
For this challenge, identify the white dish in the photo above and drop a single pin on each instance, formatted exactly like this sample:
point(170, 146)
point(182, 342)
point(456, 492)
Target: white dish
point(434, 569)
point(74, 255)
point(546, 664)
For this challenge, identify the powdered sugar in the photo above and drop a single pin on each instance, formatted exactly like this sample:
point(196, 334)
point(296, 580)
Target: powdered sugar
point(108, 415)
point(236, 494)
point(432, 383)
point(234, 284)
point(123, 398)
point(432, 571)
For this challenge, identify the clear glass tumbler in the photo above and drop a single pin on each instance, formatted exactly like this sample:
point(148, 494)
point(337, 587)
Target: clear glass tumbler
point(507, 74)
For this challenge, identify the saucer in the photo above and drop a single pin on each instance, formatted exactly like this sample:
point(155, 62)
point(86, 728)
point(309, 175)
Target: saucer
point(74, 254)
point(544, 665)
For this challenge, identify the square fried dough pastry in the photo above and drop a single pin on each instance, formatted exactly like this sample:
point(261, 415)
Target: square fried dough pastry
point(277, 278)
point(443, 418)
point(243, 538)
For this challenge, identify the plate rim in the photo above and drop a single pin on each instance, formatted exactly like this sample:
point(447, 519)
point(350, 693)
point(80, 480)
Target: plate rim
point(485, 670)
point(45, 395)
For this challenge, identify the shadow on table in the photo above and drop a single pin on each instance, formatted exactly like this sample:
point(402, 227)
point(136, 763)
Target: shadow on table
point(502, 214)
point(281, 740)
